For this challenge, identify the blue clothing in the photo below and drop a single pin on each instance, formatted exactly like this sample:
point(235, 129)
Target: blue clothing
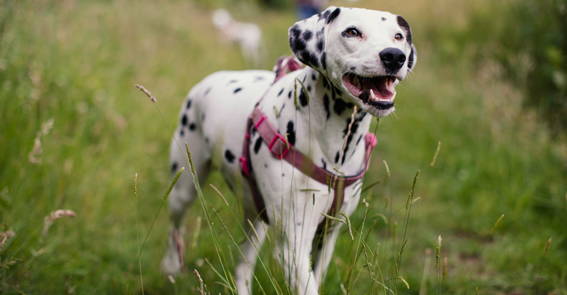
point(306, 10)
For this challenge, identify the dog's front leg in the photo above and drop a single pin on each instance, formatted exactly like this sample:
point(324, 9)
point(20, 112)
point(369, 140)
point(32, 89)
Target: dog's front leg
point(321, 262)
point(294, 253)
point(249, 249)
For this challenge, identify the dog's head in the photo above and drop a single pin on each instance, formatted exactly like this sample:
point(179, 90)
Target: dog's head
point(365, 53)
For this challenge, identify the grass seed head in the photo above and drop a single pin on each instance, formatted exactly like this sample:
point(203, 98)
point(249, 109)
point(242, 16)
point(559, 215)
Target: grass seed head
point(57, 214)
point(5, 236)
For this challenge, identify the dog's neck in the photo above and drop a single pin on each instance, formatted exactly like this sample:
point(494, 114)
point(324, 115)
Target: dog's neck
point(334, 124)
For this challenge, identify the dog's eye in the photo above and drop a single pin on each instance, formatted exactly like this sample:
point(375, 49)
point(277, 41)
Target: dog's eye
point(352, 32)
point(399, 37)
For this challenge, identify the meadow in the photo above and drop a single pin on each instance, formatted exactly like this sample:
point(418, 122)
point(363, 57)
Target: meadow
point(467, 193)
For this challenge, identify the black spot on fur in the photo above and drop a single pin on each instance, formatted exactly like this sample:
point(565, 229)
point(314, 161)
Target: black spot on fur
point(229, 156)
point(281, 91)
point(359, 139)
point(383, 19)
point(174, 167)
point(181, 132)
point(297, 44)
point(289, 94)
point(404, 25)
point(353, 130)
point(340, 105)
point(324, 60)
point(295, 31)
point(290, 133)
point(308, 58)
point(325, 83)
point(333, 15)
point(207, 91)
point(257, 145)
point(308, 88)
point(326, 104)
point(184, 120)
point(303, 99)
point(353, 68)
point(337, 157)
point(192, 126)
point(313, 77)
point(324, 164)
point(188, 106)
point(307, 35)
point(265, 165)
point(320, 45)
point(236, 90)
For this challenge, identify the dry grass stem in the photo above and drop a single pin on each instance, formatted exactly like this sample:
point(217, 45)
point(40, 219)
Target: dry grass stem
point(349, 129)
point(437, 150)
point(388, 172)
point(498, 221)
point(34, 155)
point(57, 214)
point(171, 279)
point(219, 193)
point(545, 249)
point(445, 267)
point(5, 236)
point(146, 92)
point(196, 232)
point(425, 276)
point(201, 283)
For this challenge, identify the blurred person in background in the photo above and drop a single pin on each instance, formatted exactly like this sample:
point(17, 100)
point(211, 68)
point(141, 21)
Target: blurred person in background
point(307, 8)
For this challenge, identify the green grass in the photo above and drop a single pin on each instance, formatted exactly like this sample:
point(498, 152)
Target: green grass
point(106, 159)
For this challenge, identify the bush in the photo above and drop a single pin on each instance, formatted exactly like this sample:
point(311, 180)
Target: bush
point(530, 43)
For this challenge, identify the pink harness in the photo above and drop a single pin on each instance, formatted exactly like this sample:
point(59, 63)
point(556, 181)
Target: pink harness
point(282, 150)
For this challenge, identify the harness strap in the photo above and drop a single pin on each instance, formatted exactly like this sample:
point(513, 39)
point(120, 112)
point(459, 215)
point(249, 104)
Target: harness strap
point(247, 173)
point(282, 150)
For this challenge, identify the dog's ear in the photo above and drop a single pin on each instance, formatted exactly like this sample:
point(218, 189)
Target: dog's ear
point(307, 38)
point(412, 59)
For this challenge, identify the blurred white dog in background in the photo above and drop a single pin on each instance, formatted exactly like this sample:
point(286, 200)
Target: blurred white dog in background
point(247, 35)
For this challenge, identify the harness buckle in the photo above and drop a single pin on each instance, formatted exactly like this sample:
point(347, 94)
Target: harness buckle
point(278, 146)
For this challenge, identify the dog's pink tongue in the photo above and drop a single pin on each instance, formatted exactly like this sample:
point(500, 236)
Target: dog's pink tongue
point(381, 89)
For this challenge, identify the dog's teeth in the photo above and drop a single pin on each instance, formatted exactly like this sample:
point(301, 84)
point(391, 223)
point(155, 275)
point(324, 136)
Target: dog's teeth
point(373, 95)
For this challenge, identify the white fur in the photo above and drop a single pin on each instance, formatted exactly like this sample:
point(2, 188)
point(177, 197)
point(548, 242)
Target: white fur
point(219, 113)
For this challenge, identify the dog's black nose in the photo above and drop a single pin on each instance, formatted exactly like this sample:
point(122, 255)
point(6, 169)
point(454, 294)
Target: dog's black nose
point(393, 59)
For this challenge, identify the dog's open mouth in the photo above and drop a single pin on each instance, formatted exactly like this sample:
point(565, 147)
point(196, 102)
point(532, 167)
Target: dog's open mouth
point(378, 91)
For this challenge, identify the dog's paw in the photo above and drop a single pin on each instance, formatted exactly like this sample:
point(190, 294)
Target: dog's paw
point(170, 264)
point(173, 261)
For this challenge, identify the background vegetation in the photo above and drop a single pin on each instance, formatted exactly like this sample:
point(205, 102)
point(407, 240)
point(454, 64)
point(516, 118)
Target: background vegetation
point(488, 215)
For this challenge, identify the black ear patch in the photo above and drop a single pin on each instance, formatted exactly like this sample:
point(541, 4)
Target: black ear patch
point(325, 15)
point(411, 58)
point(405, 25)
point(333, 15)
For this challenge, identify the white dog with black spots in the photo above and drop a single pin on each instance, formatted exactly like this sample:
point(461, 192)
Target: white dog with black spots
point(354, 59)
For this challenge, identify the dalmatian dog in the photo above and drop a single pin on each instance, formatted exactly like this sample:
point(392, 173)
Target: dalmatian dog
point(354, 60)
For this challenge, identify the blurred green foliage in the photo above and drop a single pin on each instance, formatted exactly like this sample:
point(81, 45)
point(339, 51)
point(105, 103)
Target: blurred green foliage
point(497, 194)
point(528, 39)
